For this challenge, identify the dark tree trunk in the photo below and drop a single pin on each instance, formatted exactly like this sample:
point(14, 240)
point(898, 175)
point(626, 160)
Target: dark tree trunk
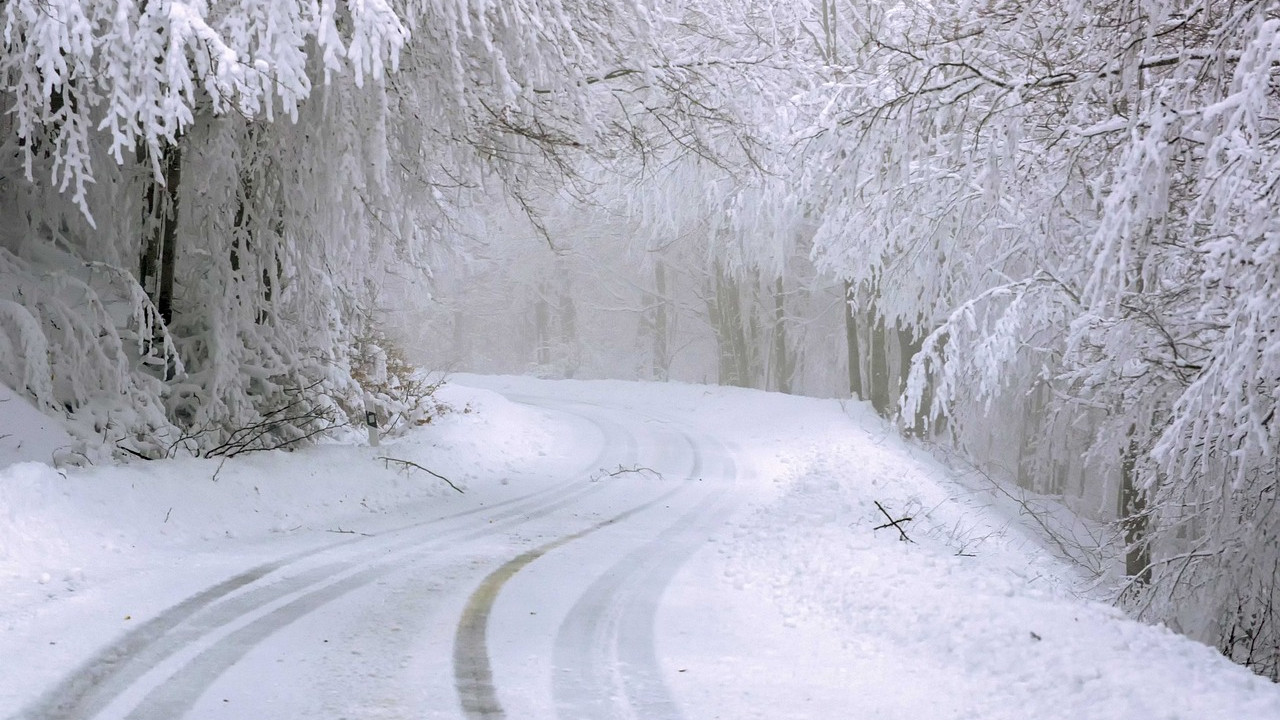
point(160, 237)
point(908, 347)
point(731, 339)
point(172, 164)
point(1137, 559)
point(878, 352)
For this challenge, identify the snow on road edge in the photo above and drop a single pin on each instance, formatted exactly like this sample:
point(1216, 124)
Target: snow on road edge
point(60, 529)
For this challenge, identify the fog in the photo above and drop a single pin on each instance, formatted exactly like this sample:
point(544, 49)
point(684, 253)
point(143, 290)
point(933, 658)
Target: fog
point(593, 295)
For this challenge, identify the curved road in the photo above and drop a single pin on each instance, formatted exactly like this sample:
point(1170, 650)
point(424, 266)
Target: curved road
point(539, 606)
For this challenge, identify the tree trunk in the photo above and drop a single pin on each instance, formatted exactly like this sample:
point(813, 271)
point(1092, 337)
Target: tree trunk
point(568, 332)
point(908, 347)
point(1137, 559)
point(878, 351)
point(160, 238)
point(851, 343)
point(461, 350)
point(542, 321)
point(783, 363)
point(661, 324)
point(171, 161)
point(731, 340)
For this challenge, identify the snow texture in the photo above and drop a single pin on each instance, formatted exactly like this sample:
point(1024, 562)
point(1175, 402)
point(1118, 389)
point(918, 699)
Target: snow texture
point(795, 606)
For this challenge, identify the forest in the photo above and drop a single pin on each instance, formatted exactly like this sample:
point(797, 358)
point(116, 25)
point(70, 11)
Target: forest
point(1037, 236)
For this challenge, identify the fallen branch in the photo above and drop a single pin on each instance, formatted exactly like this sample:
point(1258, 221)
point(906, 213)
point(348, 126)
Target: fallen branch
point(340, 531)
point(129, 450)
point(893, 523)
point(636, 469)
point(411, 464)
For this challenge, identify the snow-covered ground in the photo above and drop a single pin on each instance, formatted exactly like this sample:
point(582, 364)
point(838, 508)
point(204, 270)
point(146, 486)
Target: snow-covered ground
point(28, 435)
point(620, 550)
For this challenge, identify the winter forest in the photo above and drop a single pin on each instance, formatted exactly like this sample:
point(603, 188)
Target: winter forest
point(1039, 236)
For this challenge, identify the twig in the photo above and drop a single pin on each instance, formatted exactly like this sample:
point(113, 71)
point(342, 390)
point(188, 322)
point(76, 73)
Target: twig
point(410, 463)
point(132, 452)
point(893, 523)
point(340, 531)
point(1069, 546)
point(637, 469)
point(295, 417)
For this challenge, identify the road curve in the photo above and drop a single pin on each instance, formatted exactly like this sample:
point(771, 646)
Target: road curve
point(604, 662)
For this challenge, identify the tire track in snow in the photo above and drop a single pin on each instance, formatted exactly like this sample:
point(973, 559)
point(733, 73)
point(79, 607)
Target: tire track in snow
point(605, 659)
point(110, 670)
point(114, 671)
point(473, 674)
point(654, 563)
point(214, 614)
point(238, 633)
point(646, 691)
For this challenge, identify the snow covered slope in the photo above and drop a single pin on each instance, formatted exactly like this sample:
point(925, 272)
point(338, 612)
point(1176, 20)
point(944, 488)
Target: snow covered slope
point(26, 434)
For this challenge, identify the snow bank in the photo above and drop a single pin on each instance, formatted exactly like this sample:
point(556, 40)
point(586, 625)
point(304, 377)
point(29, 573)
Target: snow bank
point(28, 435)
point(977, 616)
point(61, 529)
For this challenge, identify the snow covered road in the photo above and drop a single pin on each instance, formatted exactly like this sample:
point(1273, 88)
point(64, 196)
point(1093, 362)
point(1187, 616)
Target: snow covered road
point(245, 646)
point(590, 605)
point(622, 551)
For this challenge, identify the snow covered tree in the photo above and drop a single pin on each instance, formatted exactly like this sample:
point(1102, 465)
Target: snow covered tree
point(219, 189)
point(1054, 193)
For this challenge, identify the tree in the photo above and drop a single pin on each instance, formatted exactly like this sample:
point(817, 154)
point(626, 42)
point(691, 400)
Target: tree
point(1103, 164)
point(259, 169)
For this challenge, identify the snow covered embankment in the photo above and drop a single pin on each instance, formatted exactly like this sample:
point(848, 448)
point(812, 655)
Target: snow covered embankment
point(974, 617)
point(65, 533)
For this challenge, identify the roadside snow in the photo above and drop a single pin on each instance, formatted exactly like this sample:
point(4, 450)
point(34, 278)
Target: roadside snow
point(58, 527)
point(976, 617)
point(975, 623)
point(26, 434)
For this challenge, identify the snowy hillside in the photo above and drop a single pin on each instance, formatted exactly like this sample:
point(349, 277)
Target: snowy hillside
point(26, 434)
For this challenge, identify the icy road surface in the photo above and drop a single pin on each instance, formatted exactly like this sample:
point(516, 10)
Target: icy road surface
point(658, 552)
